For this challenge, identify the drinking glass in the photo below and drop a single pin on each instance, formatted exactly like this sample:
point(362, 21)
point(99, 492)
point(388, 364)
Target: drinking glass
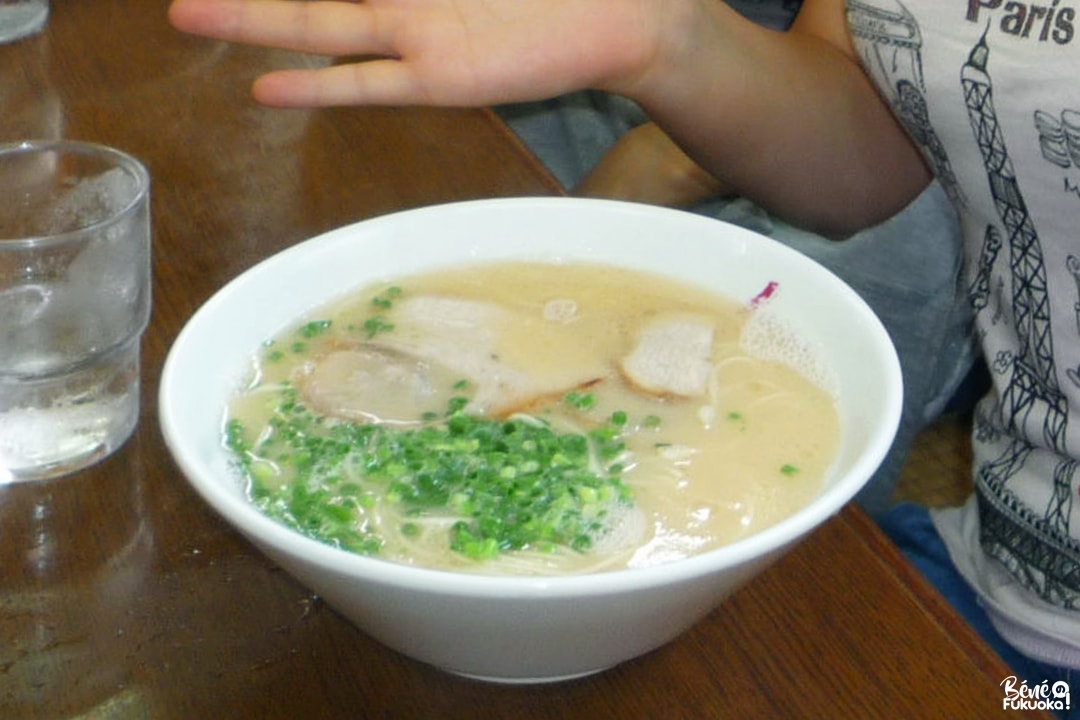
point(19, 18)
point(74, 302)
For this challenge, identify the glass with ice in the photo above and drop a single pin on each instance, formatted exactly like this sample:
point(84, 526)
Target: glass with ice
point(74, 302)
point(19, 18)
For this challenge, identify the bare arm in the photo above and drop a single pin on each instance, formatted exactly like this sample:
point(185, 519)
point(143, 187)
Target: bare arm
point(787, 119)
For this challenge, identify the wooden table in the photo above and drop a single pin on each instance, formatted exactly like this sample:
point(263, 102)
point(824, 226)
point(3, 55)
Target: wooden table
point(123, 596)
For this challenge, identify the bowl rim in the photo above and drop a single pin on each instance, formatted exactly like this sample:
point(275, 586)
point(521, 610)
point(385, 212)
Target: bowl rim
point(277, 540)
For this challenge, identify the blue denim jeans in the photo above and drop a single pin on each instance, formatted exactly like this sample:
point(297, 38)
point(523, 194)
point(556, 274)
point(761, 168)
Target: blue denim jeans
point(910, 527)
point(908, 268)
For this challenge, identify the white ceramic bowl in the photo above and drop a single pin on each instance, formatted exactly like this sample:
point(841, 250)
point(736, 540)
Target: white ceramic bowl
point(517, 629)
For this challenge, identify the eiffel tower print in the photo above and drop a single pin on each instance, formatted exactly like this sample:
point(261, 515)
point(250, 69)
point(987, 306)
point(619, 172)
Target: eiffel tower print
point(979, 290)
point(894, 58)
point(1025, 546)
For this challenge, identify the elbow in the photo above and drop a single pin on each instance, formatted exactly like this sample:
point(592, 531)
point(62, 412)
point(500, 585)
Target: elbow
point(843, 206)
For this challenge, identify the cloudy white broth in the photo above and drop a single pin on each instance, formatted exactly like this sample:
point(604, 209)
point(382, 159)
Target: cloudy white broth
point(533, 418)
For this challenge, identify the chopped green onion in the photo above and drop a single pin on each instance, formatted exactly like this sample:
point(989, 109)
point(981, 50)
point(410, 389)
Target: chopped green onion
point(377, 324)
point(579, 400)
point(515, 483)
point(313, 328)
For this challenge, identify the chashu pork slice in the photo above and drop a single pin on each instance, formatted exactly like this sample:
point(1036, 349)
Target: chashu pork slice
point(436, 342)
point(672, 356)
point(372, 384)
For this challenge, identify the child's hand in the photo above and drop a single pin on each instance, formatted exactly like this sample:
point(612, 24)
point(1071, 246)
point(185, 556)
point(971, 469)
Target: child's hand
point(438, 52)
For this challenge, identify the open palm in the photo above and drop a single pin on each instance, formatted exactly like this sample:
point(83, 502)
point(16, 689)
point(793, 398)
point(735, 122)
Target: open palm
point(438, 52)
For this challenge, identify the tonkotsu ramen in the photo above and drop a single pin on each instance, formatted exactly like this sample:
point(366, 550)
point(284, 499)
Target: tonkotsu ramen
point(534, 418)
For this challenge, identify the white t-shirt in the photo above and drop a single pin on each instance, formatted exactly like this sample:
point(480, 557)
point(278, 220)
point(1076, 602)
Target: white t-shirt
point(990, 91)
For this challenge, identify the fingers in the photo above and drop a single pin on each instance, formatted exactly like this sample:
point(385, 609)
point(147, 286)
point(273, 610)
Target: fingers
point(374, 82)
point(325, 27)
point(329, 28)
